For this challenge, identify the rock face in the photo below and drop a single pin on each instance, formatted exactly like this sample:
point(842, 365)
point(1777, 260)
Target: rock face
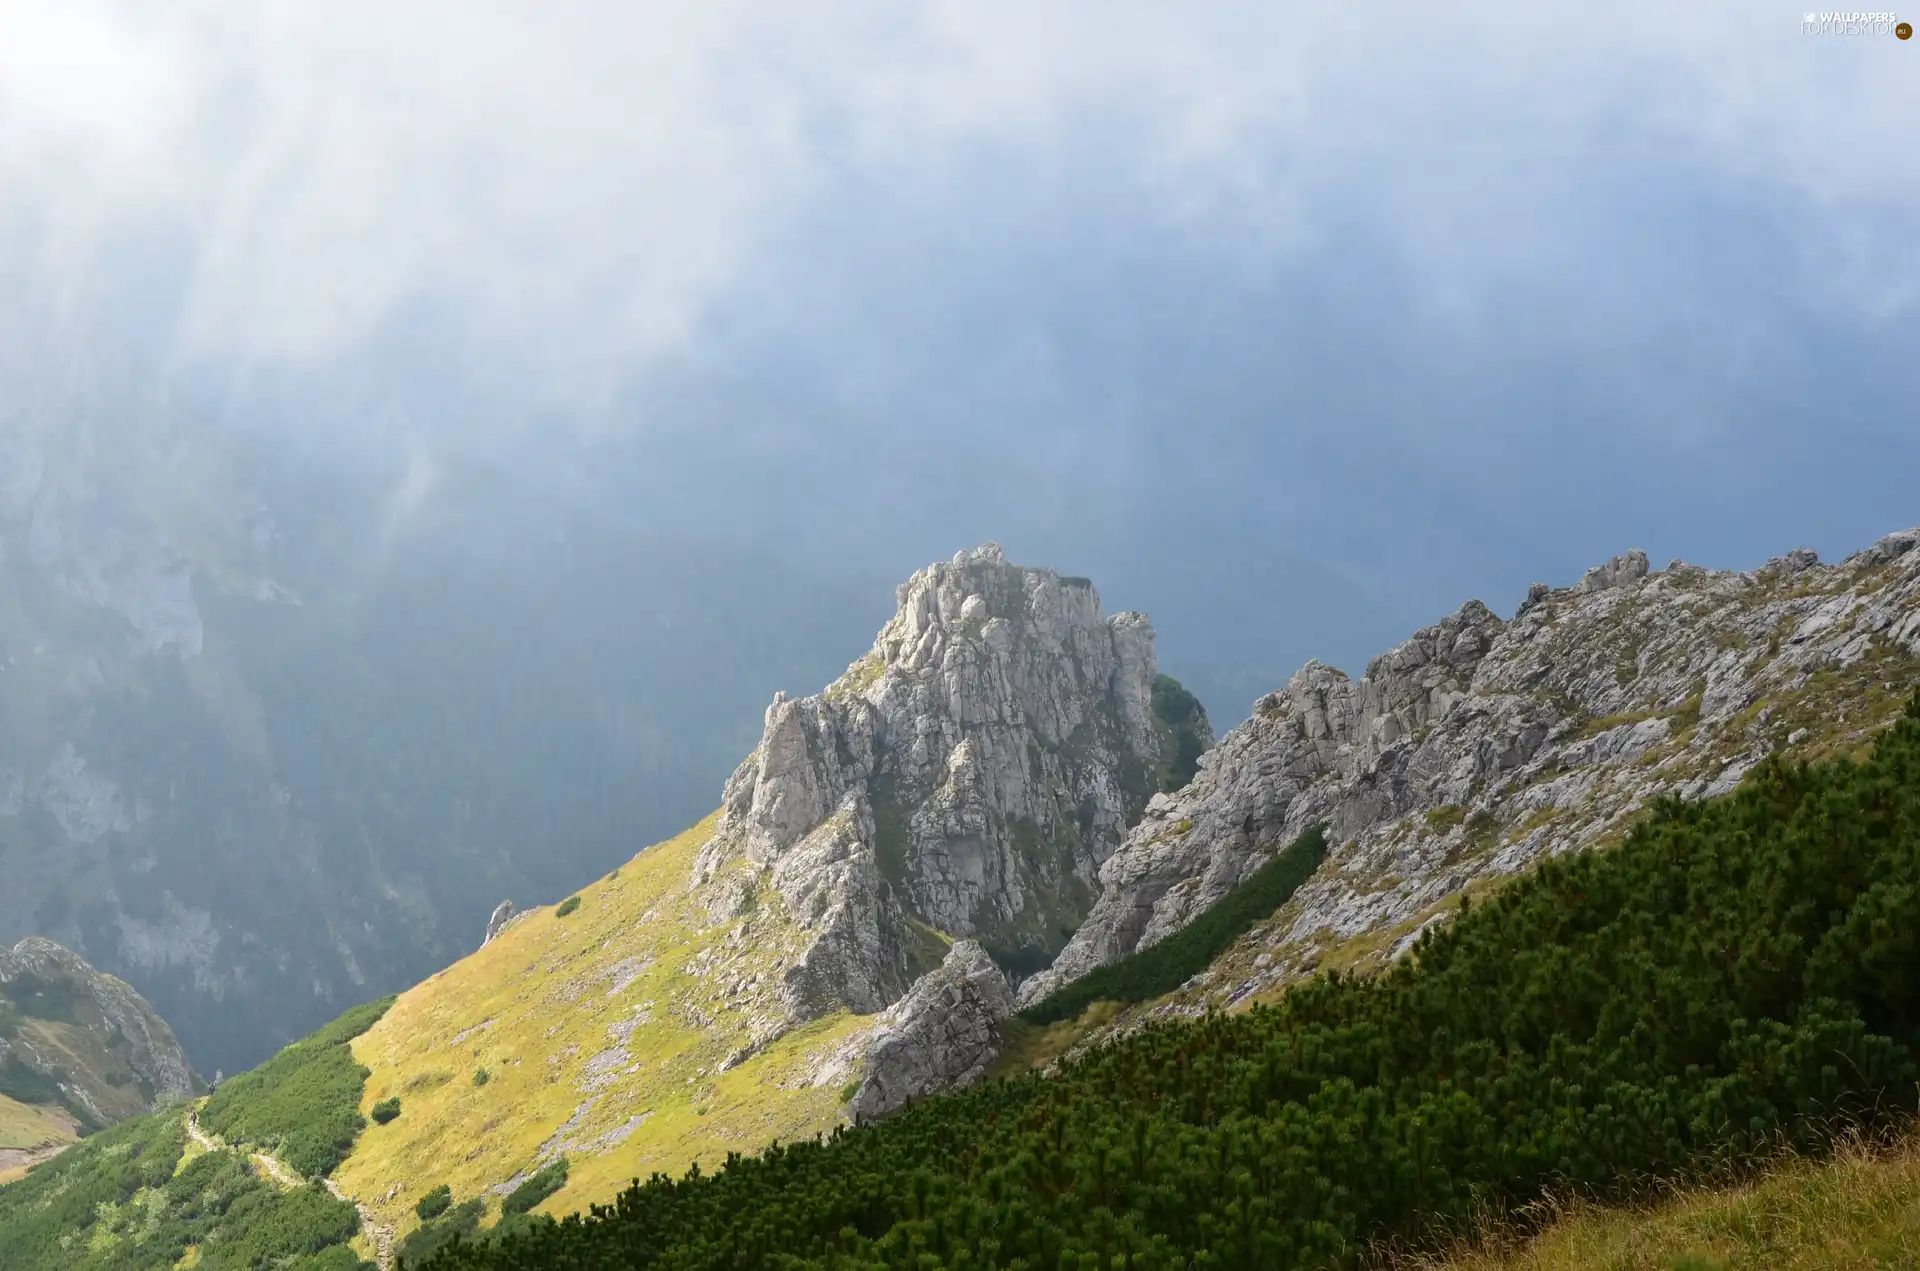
point(89, 1035)
point(503, 913)
point(940, 1036)
point(1479, 746)
point(969, 775)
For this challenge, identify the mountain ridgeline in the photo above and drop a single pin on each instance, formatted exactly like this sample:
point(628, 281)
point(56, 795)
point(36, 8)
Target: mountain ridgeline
point(1024, 971)
point(1733, 978)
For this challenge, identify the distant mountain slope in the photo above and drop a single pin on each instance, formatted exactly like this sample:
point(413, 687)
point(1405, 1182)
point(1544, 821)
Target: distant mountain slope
point(1482, 745)
point(79, 1051)
point(276, 734)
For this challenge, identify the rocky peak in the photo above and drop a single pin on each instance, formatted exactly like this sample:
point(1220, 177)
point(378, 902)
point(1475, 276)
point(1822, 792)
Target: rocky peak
point(1618, 572)
point(966, 778)
point(503, 914)
point(1477, 746)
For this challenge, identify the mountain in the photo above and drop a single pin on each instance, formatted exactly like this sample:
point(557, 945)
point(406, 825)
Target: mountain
point(1728, 983)
point(1350, 975)
point(278, 732)
point(1466, 756)
point(835, 940)
point(79, 1051)
point(1481, 746)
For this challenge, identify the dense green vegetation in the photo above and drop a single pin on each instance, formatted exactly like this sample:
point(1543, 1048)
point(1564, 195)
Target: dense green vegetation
point(462, 1220)
point(435, 1202)
point(567, 906)
point(1166, 965)
point(121, 1202)
point(303, 1105)
point(539, 1185)
point(1186, 731)
point(1735, 977)
point(386, 1110)
point(446, 1222)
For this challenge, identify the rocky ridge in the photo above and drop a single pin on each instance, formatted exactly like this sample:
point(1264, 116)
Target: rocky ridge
point(1480, 745)
point(86, 1038)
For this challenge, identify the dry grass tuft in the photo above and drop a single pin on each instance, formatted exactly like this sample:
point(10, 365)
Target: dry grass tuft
point(1859, 1208)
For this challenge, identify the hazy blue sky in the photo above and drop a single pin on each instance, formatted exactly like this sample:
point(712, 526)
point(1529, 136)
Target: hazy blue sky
point(1294, 324)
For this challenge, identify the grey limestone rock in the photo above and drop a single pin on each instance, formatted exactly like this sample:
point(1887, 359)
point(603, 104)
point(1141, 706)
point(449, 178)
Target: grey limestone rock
point(942, 1035)
point(503, 913)
point(969, 774)
point(1618, 572)
point(1479, 746)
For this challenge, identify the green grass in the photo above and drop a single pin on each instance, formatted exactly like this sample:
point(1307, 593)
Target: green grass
point(303, 1105)
point(24, 1125)
point(570, 905)
point(1165, 966)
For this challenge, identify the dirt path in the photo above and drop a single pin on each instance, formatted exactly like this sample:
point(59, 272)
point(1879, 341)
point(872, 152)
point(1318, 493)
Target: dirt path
point(200, 1136)
point(379, 1233)
point(279, 1173)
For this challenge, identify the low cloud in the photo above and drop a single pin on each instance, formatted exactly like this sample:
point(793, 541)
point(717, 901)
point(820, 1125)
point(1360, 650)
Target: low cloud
point(568, 190)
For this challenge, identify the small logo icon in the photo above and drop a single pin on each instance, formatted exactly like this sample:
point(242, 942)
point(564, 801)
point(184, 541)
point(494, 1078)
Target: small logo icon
point(1903, 30)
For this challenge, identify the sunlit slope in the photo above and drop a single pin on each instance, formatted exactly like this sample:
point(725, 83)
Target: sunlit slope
point(25, 1125)
point(28, 1132)
point(604, 1035)
point(1860, 1209)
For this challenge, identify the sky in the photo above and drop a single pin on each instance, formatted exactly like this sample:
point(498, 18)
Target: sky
point(1295, 325)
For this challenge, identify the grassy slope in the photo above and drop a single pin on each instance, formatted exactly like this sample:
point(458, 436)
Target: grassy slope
point(26, 1130)
point(537, 1006)
point(24, 1125)
point(1861, 1209)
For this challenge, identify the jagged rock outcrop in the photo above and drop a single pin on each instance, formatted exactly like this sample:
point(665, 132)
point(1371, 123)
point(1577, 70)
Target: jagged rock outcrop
point(1479, 746)
point(969, 775)
point(503, 913)
point(89, 1035)
point(941, 1036)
